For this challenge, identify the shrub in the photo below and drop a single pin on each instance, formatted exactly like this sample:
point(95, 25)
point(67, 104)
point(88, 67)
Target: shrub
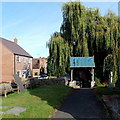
point(97, 81)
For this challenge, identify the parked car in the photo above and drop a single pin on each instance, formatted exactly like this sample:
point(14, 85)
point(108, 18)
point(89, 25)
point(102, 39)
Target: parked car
point(43, 76)
point(36, 76)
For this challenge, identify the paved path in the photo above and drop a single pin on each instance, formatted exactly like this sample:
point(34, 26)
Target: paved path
point(12, 110)
point(81, 103)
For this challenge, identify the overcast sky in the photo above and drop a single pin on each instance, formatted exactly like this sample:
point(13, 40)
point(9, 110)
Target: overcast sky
point(32, 23)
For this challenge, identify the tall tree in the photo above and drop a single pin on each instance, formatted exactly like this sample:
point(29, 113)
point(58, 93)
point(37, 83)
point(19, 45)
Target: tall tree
point(59, 54)
point(94, 35)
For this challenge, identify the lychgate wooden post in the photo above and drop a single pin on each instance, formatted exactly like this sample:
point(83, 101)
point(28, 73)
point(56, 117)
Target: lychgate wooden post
point(93, 80)
point(71, 75)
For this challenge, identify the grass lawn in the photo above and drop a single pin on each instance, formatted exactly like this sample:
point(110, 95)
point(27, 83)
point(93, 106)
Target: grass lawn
point(99, 91)
point(40, 102)
point(4, 109)
point(52, 77)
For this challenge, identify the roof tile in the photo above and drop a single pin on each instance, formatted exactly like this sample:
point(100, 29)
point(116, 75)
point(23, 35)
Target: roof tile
point(14, 48)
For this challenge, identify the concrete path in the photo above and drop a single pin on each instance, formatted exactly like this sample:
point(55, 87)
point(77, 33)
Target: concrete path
point(82, 104)
point(12, 110)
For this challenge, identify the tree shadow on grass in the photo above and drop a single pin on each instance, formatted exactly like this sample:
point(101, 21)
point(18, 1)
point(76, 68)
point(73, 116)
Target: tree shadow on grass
point(53, 94)
point(80, 103)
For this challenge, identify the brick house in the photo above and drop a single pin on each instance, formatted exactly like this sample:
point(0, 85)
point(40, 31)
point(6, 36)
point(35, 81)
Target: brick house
point(15, 60)
point(39, 66)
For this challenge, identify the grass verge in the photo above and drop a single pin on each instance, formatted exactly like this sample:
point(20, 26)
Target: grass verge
point(5, 109)
point(40, 102)
point(99, 91)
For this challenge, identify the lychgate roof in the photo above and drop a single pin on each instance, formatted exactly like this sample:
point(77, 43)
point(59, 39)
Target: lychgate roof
point(14, 48)
point(82, 62)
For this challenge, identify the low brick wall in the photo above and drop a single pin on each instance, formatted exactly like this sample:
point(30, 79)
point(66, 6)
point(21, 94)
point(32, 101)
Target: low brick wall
point(33, 82)
point(113, 104)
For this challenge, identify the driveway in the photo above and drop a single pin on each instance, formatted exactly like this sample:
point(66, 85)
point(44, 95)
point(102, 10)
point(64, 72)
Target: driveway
point(82, 103)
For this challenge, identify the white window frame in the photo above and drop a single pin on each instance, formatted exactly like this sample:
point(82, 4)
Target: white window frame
point(18, 58)
point(29, 61)
point(23, 71)
point(24, 60)
point(19, 73)
point(23, 75)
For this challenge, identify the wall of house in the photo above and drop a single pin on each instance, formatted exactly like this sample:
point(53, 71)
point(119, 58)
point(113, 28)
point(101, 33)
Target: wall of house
point(43, 63)
point(36, 71)
point(7, 64)
point(22, 64)
point(0, 61)
point(40, 64)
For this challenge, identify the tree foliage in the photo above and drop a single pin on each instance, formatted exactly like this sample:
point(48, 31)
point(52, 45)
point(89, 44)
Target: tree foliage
point(95, 35)
point(59, 54)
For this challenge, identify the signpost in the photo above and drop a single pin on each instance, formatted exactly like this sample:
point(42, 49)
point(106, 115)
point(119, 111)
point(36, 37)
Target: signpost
point(111, 77)
point(111, 85)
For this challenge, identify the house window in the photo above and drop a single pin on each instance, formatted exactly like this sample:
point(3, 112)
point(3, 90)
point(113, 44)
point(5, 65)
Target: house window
point(18, 58)
point(19, 73)
point(29, 60)
point(24, 60)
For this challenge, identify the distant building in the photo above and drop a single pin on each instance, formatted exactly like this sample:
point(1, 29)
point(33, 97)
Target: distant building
point(15, 60)
point(39, 66)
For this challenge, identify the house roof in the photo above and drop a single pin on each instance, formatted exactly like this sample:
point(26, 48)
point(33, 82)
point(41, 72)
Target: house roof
point(76, 62)
point(36, 63)
point(14, 48)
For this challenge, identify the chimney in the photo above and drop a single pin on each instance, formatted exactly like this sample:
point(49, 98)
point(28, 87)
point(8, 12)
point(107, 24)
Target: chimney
point(15, 40)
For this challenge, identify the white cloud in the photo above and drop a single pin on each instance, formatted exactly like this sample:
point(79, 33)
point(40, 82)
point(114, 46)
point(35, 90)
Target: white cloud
point(15, 23)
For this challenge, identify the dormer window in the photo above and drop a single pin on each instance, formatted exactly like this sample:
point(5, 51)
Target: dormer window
point(18, 58)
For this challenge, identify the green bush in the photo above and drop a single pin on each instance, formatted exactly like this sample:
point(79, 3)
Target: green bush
point(97, 81)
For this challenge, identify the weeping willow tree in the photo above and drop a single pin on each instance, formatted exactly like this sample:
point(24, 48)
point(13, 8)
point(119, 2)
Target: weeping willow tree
point(59, 55)
point(74, 26)
point(113, 46)
point(94, 35)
